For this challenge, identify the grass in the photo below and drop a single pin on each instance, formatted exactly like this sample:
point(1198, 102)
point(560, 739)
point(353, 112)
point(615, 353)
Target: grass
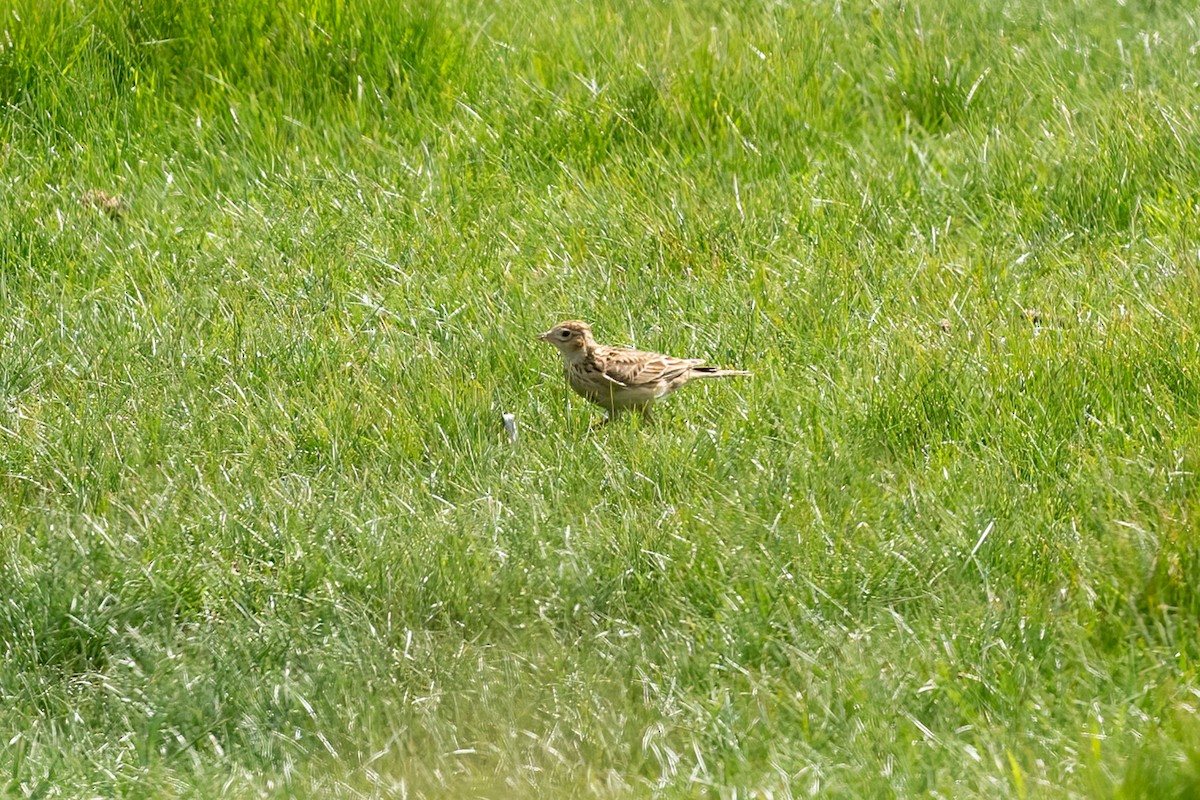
point(264, 536)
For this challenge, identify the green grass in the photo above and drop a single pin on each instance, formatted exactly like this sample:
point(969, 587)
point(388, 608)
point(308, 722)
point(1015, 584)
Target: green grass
point(263, 535)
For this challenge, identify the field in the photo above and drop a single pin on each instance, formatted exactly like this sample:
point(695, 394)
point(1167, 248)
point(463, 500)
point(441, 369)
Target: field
point(262, 533)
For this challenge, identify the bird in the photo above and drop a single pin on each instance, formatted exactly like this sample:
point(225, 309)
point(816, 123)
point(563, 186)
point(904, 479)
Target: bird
point(111, 205)
point(620, 379)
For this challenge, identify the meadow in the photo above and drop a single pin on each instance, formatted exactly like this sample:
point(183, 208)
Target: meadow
point(262, 533)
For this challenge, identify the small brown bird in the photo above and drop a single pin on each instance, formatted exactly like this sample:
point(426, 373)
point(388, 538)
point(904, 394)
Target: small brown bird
point(619, 379)
point(102, 201)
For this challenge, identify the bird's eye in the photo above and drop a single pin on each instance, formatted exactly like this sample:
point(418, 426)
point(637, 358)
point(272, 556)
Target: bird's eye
point(564, 334)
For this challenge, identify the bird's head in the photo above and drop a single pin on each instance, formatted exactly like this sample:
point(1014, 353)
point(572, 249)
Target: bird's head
point(571, 338)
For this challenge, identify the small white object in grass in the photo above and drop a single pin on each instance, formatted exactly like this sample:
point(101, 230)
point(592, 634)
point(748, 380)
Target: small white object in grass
point(982, 536)
point(510, 425)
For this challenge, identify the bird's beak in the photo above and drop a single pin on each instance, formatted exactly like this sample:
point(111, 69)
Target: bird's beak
point(544, 337)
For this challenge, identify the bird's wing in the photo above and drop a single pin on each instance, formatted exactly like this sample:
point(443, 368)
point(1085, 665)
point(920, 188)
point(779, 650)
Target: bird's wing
point(640, 368)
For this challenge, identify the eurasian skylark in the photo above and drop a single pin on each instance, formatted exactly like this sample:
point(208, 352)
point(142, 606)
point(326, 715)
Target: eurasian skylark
point(110, 204)
point(619, 379)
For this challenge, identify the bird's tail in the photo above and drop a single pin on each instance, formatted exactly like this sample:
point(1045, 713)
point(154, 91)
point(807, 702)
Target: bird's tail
point(716, 372)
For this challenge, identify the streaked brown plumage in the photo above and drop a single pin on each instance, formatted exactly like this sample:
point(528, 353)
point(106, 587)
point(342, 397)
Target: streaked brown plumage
point(111, 205)
point(619, 379)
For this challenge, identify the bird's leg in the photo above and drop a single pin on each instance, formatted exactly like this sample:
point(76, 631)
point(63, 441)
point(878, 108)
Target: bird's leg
point(613, 413)
point(647, 415)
